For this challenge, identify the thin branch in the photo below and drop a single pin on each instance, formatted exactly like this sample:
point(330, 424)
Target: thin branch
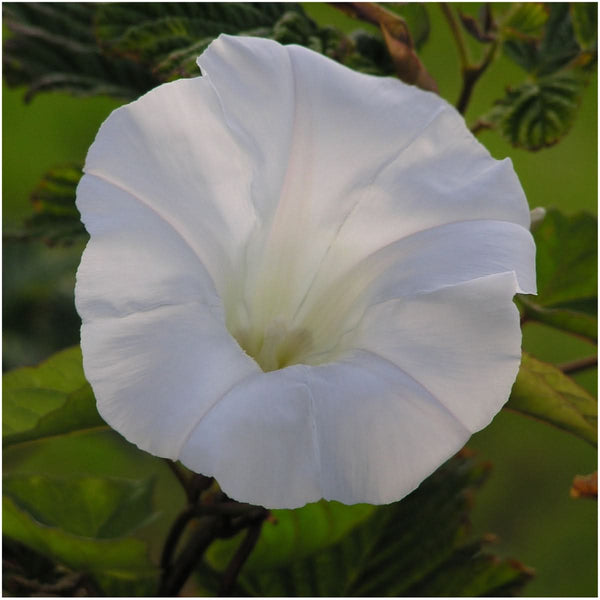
point(183, 480)
point(175, 576)
point(470, 77)
point(239, 559)
point(174, 535)
point(461, 46)
point(229, 509)
point(578, 365)
point(198, 484)
point(216, 517)
point(480, 126)
point(470, 73)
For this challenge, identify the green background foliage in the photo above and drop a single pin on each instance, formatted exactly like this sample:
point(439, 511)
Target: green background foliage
point(525, 500)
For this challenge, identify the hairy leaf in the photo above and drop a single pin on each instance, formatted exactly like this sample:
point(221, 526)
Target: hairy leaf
point(126, 49)
point(542, 391)
point(56, 219)
point(540, 50)
point(50, 399)
point(567, 269)
point(471, 571)
point(525, 19)
point(167, 37)
point(398, 549)
point(584, 16)
point(538, 113)
point(53, 47)
point(558, 46)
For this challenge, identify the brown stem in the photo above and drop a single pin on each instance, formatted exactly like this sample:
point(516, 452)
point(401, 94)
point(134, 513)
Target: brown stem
point(198, 484)
point(240, 557)
point(470, 73)
point(229, 509)
point(175, 534)
point(176, 470)
point(461, 46)
point(214, 516)
point(470, 77)
point(480, 126)
point(580, 364)
point(174, 577)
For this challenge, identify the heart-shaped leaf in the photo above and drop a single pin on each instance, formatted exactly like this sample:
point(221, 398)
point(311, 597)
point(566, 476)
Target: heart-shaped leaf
point(544, 392)
point(51, 399)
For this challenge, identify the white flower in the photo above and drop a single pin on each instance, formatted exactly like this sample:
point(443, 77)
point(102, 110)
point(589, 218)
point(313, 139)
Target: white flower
point(299, 278)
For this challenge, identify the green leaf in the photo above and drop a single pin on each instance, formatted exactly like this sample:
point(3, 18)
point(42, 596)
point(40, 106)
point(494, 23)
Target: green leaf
point(538, 113)
point(167, 37)
point(567, 268)
point(544, 392)
point(396, 549)
point(471, 571)
point(86, 506)
point(525, 19)
point(540, 52)
point(56, 219)
point(117, 563)
point(102, 454)
point(53, 398)
point(293, 534)
point(53, 47)
point(566, 319)
point(80, 459)
point(584, 16)
point(126, 49)
point(558, 46)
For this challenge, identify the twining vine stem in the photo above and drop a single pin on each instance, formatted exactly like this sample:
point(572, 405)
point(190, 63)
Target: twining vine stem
point(205, 518)
point(455, 28)
point(578, 365)
point(470, 72)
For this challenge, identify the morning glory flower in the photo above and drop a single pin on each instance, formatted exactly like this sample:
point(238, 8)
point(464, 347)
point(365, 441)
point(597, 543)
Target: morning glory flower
point(299, 278)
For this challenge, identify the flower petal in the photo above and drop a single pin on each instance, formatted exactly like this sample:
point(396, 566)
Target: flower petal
point(379, 432)
point(153, 337)
point(135, 260)
point(156, 373)
point(184, 165)
point(424, 262)
point(293, 202)
point(360, 430)
point(462, 343)
point(258, 442)
point(345, 163)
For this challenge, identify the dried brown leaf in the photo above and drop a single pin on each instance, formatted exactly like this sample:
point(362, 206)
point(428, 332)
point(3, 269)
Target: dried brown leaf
point(585, 486)
point(398, 41)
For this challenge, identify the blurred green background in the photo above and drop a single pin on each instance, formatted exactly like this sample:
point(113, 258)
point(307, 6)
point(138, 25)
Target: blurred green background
point(526, 501)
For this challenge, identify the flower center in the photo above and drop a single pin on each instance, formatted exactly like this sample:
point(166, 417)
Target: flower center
point(278, 346)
